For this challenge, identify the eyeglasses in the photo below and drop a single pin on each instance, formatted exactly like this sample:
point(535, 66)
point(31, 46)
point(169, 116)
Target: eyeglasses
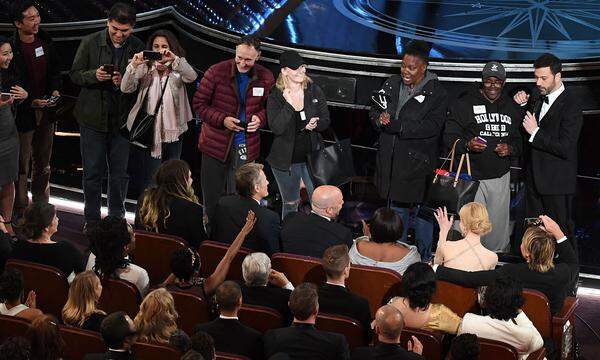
point(489, 83)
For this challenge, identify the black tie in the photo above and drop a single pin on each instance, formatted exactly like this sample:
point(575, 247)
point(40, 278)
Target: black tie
point(544, 98)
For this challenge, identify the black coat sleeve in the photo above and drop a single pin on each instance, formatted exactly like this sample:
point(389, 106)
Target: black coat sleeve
point(269, 230)
point(561, 144)
point(322, 109)
point(279, 113)
point(465, 278)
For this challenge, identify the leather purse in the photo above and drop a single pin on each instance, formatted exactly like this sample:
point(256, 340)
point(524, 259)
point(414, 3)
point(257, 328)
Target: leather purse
point(333, 164)
point(451, 190)
point(141, 134)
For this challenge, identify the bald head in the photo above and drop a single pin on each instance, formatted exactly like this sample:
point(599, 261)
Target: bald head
point(389, 323)
point(327, 201)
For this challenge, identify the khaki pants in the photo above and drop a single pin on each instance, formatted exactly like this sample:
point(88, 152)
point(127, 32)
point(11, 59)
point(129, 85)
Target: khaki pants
point(35, 147)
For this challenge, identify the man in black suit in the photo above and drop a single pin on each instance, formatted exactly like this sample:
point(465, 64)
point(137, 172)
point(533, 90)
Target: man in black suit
point(388, 326)
point(118, 332)
point(310, 235)
point(231, 211)
point(264, 286)
point(229, 334)
point(334, 298)
point(553, 124)
point(302, 340)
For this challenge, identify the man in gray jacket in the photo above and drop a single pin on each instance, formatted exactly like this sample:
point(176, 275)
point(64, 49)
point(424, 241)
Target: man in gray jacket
point(101, 110)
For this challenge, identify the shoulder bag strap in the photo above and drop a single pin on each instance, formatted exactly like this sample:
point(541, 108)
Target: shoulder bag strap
point(159, 103)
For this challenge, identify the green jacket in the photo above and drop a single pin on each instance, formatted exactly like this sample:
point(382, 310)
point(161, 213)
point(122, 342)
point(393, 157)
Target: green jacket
point(92, 105)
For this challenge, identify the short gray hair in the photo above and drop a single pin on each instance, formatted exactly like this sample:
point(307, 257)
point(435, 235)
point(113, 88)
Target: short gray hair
point(256, 269)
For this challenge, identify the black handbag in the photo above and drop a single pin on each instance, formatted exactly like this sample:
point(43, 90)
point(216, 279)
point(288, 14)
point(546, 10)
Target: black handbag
point(451, 190)
point(333, 164)
point(142, 130)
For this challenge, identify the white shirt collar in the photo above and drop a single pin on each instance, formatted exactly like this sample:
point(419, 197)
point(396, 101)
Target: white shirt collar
point(555, 94)
point(324, 217)
point(228, 317)
point(332, 284)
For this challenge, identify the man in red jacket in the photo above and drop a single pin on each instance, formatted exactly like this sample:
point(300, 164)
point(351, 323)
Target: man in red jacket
point(231, 103)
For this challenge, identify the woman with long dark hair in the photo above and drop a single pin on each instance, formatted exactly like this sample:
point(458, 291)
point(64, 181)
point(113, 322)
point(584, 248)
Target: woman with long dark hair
point(111, 241)
point(39, 226)
point(9, 138)
point(171, 72)
point(170, 205)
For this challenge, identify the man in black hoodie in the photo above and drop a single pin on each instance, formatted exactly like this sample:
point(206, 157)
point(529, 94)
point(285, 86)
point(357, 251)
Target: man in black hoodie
point(38, 64)
point(485, 124)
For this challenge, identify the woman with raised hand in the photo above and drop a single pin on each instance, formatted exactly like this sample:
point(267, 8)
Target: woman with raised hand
point(468, 253)
point(170, 71)
point(185, 266)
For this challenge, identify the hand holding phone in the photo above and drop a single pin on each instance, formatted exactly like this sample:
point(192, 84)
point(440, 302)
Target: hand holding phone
point(6, 96)
point(534, 221)
point(152, 55)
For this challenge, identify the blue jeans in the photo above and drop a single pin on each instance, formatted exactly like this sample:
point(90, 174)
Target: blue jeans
point(102, 153)
point(423, 229)
point(289, 186)
point(170, 151)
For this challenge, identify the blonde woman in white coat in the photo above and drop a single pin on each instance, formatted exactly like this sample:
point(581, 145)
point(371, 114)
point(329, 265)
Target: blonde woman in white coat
point(150, 77)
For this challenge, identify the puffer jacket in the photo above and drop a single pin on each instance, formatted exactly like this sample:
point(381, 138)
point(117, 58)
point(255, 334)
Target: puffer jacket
point(218, 97)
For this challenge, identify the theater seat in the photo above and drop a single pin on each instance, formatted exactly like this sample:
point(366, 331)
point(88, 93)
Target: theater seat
point(119, 295)
point(154, 351)
point(12, 326)
point(298, 268)
point(152, 252)
point(192, 309)
point(558, 327)
point(211, 253)
point(459, 299)
point(80, 342)
point(496, 350)
point(49, 283)
point(432, 342)
point(377, 285)
point(260, 318)
point(228, 356)
point(350, 328)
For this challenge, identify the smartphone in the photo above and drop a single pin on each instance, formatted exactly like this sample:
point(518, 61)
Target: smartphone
point(533, 222)
point(109, 68)
point(52, 99)
point(481, 140)
point(243, 125)
point(6, 96)
point(152, 55)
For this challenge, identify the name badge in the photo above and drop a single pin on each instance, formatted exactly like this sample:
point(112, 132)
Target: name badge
point(479, 109)
point(302, 116)
point(258, 91)
point(420, 98)
point(39, 51)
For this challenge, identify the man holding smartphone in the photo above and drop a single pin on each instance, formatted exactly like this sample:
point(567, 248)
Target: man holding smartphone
point(232, 93)
point(37, 60)
point(485, 122)
point(102, 109)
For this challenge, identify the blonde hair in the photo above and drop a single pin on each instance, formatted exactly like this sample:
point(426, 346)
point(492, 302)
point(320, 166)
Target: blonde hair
point(82, 299)
point(540, 246)
point(474, 218)
point(171, 181)
point(157, 318)
point(280, 83)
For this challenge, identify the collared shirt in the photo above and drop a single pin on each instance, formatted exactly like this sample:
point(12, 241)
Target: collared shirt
point(324, 217)
point(228, 317)
point(342, 285)
point(546, 106)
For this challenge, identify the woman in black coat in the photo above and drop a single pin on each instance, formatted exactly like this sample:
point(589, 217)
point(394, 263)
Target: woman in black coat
point(296, 112)
point(410, 127)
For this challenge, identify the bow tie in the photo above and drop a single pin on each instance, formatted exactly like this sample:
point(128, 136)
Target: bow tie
point(544, 98)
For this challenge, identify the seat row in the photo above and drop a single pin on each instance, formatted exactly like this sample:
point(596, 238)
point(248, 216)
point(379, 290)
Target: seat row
point(376, 284)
